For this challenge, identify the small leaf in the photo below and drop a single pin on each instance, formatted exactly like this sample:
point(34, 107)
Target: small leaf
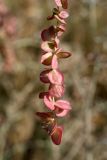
point(63, 54)
point(48, 34)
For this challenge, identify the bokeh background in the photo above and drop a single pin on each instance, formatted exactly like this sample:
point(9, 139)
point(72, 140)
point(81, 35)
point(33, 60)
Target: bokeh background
point(85, 128)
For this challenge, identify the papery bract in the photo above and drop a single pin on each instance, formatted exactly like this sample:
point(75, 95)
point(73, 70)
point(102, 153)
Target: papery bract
point(56, 90)
point(60, 107)
point(56, 77)
point(46, 58)
point(61, 113)
point(63, 104)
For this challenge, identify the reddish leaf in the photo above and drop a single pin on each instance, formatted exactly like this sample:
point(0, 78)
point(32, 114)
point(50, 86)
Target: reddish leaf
point(48, 33)
point(63, 54)
point(64, 4)
point(45, 35)
point(44, 76)
point(42, 94)
point(56, 136)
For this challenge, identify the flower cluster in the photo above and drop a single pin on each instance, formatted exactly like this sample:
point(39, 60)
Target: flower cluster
point(51, 75)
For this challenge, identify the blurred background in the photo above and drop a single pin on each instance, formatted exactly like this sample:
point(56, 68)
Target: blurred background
point(85, 128)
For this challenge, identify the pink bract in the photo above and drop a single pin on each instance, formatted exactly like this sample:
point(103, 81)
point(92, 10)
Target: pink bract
point(56, 90)
point(63, 14)
point(56, 77)
point(52, 76)
point(58, 3)
point(63, 104)
point(49, 102)
point(61, 107)
point(62, 3)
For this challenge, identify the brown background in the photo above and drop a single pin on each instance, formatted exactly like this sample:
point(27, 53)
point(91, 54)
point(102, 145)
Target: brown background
point(85, 128)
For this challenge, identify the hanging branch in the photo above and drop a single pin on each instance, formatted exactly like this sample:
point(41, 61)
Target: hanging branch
point(51, 54)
